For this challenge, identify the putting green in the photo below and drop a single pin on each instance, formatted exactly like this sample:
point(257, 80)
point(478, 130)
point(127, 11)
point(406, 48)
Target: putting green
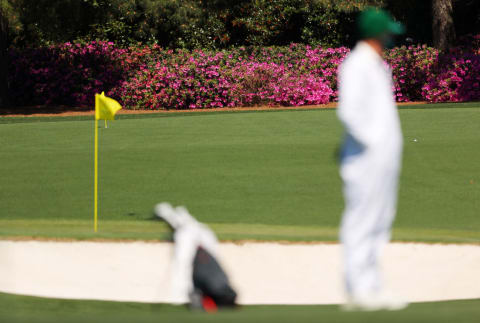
point(269, 175)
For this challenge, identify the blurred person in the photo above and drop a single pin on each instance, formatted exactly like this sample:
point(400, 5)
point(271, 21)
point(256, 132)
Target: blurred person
point(370, 161)
point(197, 277)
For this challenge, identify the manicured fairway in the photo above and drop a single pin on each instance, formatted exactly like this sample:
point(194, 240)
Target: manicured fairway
point(264, 175)
point(23, 309)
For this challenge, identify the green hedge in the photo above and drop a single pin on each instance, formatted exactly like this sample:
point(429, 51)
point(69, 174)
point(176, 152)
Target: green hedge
point(208, 24)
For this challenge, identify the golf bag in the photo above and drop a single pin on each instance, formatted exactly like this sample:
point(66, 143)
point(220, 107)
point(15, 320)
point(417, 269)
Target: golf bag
point(210, 283)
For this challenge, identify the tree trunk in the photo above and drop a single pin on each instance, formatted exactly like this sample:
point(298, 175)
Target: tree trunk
point(3, 58)
point(442, 24)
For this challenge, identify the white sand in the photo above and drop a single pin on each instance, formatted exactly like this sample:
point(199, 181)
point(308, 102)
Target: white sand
point(263, 273)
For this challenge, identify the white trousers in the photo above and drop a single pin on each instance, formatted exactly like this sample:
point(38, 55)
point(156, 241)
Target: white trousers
point(370, 192)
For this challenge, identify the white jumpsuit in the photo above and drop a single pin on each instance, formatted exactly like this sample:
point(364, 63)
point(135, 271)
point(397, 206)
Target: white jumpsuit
point(370, 165)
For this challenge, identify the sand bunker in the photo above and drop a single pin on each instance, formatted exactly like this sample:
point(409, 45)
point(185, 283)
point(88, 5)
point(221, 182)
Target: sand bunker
point(263, 273)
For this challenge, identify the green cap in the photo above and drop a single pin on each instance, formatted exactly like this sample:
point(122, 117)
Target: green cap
point(374, 23)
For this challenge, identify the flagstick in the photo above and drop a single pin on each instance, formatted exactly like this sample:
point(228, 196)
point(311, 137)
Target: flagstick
point(96, 176)
point(105, 108)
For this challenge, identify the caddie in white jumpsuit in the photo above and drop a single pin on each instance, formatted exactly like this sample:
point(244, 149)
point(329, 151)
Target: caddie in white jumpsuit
point(370, 161)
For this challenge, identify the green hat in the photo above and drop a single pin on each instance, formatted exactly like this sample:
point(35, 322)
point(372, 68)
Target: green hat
point(374, 23)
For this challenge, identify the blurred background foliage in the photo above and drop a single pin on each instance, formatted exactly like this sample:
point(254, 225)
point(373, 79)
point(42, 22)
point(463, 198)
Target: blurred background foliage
point(214, 24)
point(222, 24)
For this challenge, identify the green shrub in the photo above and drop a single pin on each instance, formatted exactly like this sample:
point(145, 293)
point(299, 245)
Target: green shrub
point(190, 24)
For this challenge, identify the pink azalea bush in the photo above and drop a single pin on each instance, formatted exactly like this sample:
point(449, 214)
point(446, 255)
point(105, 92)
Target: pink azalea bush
point(65, 74)
point(457, 79)
point(457, 75)
point(177, 82)
point(151, 77)
point(411, 68)
point(240, 77)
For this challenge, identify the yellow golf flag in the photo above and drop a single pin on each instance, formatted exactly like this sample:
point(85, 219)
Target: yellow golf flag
point(105, 107)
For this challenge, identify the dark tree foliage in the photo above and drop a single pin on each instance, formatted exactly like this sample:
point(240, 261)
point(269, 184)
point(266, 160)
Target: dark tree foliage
point(416, 15)
point(437, 22)
point(3, 60)
point(5, 12)
point(466, 15)
point(188, 23)
point(218, 24)
point(49, 21)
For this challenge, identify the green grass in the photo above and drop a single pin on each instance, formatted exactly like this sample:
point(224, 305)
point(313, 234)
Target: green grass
point(24, 309)
point(255, 175)
point(145, 230)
